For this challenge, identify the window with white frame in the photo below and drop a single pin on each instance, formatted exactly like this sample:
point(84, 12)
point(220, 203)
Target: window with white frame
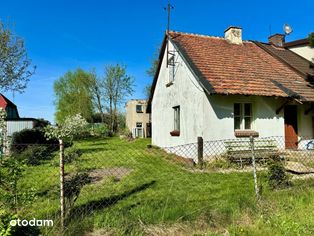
point(176, 118)
point(243, 117)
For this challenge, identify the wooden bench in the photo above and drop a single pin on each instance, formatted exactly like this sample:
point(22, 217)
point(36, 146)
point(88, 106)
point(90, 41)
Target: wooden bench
point(239, 151)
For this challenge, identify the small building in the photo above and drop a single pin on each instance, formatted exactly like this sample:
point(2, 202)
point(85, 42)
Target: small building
point(137, 119)
point(13, 121)
point(9, 107)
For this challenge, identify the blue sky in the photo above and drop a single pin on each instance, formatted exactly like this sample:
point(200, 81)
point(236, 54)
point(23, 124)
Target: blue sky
point(65, 35)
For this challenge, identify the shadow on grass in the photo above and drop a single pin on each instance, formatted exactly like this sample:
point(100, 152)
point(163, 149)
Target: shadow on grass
point(91, 150)
point(88, 208)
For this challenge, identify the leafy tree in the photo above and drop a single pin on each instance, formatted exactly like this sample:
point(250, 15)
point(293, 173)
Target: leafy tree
point(14, 62)
point(152, 71)
point(117, 86)
point(73, 95)
point(311, 38)
point(71, 126)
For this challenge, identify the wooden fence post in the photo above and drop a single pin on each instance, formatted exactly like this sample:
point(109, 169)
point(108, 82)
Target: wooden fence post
point(200, 148)
point(62, 202)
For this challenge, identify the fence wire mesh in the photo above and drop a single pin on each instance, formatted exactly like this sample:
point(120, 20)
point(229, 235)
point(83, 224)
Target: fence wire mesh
point(119, 186)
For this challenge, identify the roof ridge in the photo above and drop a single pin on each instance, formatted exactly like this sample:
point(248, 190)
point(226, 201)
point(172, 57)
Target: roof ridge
point(204, 36)
point(195, 34)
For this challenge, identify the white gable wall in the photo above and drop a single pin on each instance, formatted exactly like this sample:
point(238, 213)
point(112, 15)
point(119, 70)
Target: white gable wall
point(304, 51)
point(186, 92)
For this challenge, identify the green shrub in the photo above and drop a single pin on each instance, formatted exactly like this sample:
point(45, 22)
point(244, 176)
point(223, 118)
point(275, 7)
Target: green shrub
point(21, 140)
point(277, 175)
point(100, 130)
point(5, 227)
point(34, 154)
point(72, 188)
point(71, 154)
point(218, 164)
point(7, 230)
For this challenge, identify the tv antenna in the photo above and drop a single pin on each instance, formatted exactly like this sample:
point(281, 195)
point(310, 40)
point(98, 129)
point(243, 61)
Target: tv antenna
point(168, 9)
point(287, 29)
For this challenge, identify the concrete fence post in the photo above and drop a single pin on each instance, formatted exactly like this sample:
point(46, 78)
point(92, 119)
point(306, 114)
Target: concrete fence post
point(62, 201)
point(254, 167)
point(200, 147)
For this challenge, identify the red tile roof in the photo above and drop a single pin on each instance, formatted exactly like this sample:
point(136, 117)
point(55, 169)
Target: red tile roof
point(245, 69)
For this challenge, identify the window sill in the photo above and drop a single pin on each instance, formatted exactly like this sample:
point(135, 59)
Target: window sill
point(245, 133)
point(139, 112)
point(169, 84)
point(175, 133)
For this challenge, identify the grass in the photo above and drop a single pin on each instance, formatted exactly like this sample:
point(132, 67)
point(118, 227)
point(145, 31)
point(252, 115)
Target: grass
point(158, 196)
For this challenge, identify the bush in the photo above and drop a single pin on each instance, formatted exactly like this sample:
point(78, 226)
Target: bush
point(218, 164)
point(7, 230)
point(34, 154)
point(277, 175)
point(5, 227)
point(29, 136)
point(100, 130)
point(71, 154)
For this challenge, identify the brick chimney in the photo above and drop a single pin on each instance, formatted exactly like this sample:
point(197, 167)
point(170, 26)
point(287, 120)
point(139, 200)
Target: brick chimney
point(277, 39)
point(234, 35)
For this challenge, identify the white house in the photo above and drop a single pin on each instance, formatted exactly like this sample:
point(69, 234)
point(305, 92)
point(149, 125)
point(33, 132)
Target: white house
point(302, 48)
point(219, 88)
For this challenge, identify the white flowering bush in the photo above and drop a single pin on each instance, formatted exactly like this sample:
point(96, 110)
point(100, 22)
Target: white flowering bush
point(72, 126)
point(3, 124)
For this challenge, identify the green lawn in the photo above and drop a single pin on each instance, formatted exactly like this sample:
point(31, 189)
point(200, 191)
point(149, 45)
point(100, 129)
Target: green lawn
point(152, 195)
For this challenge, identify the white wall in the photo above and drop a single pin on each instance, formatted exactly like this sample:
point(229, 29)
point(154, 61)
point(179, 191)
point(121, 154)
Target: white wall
point(185, 92)
point(304, 51)
point(219, 116)
point(18, 125)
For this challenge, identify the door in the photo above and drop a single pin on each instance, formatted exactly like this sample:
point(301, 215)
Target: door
point(148, 130)
point(291, 127)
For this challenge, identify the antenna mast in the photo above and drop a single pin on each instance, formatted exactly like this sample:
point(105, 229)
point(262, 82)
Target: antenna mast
point(168, 9)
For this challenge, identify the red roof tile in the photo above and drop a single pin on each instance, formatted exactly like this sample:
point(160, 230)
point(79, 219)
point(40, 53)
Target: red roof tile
point(243, 69)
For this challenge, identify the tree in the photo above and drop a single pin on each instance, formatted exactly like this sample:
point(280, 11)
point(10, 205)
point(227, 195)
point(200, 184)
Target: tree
point(311, 38)
point(117, 86)
point(73, 95)
point(97, 92)
point(152, 71)
point(14, 62)
point(72, 126)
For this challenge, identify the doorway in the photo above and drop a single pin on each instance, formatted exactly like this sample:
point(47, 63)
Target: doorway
point(291, 127)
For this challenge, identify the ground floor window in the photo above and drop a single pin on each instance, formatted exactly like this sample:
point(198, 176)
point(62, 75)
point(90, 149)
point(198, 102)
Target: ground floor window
point(243, 116)
point(176, 118)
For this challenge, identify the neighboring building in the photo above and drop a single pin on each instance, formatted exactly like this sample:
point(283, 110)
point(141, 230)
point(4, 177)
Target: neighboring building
point(302, 48)
point(219, 88)
point(14, 122)
point(137, 119)
point(9, 107)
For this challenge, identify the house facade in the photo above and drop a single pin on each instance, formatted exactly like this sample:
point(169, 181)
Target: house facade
point(137, 118)
point(302, 48)
point(216, 88)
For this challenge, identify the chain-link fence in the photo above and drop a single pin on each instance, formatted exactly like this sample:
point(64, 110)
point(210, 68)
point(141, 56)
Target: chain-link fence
point(119, 186)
